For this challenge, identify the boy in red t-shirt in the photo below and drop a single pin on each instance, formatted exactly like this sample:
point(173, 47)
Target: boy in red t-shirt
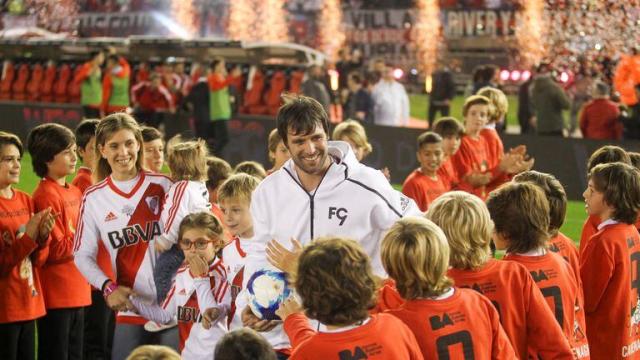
point(424, 184)
point(604, 155)
point(557, 198)
point(524, 314)
point(610, 262)
point(23, 248)
point(86, 148)
point(520, 213)
point(346, 329)
point(66, 292)
point(452, 322)
point(451, 131)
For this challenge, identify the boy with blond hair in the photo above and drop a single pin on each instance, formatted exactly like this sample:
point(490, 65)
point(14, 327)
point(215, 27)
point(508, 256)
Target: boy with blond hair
point(234, 197)
point(424, 184)
point(610, 262)
point(524, 314)
point(520, 212)
point(415, 253)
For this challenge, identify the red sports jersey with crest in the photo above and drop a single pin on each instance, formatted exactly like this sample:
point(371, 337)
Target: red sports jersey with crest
point(557, 282)
point(20, 257)
point(424, 189)
point(234, 256)
point(472, 157)
point(126, 223)
point(610, 270)
point(187, 299)
point(63, 285)
point(524, 313)
point(371, 340)
point(464, 325)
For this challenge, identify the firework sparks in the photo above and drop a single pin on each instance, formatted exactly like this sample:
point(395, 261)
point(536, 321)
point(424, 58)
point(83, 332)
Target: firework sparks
point(184, 13)
point(242, 18)
point(530, 32)
point(272, 21)
point(426, 34)
point(331, 31)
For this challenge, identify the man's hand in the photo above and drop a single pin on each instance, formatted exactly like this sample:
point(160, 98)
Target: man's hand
point(255, 323)
point(282, 258)
point(118, 300)
point(288, 307)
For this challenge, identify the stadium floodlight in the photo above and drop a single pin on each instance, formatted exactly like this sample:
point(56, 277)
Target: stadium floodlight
point(515, 75)
point(526, 75)
point(398, 73)
point(504, 75)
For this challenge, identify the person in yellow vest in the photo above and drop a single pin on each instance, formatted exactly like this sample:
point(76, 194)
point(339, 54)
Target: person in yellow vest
point(115, 85)
point(90, 77)
point(219, 102)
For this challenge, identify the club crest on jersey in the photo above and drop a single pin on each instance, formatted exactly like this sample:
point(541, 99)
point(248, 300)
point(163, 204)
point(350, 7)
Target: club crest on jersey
point(132, 234)
point(153, 202)
point(128, 210)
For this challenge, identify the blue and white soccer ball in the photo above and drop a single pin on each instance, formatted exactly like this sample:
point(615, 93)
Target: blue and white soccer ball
point(267, 290)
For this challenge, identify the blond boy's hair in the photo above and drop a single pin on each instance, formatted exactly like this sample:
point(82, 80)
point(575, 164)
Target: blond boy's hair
point(238, 187)
point(252, 168)
point(355, 132)
point(187, 160)
point(153, 352)
point(499, 103)
point(466, 223)
point(415, 254)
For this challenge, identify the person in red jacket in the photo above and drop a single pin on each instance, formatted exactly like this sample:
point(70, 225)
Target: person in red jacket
point(23, 249)
point(115, 85)
point(600, 117)
point(346, 329)
point(524, 314)
point(151, 101)
point(610, 262)
point(452, 322)
point(66, 292)
point(520, 213)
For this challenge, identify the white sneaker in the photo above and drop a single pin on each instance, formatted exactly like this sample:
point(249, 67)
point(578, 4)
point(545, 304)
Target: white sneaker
point(152, 326)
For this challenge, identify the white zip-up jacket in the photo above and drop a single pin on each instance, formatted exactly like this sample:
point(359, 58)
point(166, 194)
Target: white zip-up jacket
point(352, 200)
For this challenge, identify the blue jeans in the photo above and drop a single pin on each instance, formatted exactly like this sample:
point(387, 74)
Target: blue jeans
point(165, 271)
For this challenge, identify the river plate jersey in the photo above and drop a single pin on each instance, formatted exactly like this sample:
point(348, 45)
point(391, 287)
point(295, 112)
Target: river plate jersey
point(126, 224)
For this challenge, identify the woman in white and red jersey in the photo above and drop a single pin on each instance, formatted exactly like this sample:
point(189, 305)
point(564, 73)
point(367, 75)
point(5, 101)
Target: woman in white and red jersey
point(23, 247)
point(200, 285)
point(122, 210)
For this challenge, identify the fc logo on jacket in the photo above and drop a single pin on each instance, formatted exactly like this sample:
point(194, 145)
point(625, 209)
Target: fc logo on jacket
point(340, 213)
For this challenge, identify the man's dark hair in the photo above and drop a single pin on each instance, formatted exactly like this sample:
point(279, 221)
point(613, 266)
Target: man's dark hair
point(244, 344)
point(301, 114)
point(45, 142)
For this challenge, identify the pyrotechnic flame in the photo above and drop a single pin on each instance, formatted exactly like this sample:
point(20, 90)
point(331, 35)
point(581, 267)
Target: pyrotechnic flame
point(185, 14)
point(331, 31)
point(426, 34)
point(258, 20)
point(530, 32)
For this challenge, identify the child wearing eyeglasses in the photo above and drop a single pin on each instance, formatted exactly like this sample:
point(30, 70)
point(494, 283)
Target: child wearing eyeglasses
point(199, 284)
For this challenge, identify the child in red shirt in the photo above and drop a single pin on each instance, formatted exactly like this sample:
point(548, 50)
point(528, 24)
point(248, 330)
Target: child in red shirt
point(23, 248)
point(610, 262)
point(604, 155)
point(86, 147)
point(452, 322)
point(424, 184)
point(66, 292)
point(524, 314)
point(346, 329)
point(520, 212)
point(451, 131)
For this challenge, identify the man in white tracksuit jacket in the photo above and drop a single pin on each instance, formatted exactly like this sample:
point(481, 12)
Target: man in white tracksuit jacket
point(322, 190)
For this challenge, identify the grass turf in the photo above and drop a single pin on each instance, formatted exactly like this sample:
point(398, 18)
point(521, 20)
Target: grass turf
point(572, 224)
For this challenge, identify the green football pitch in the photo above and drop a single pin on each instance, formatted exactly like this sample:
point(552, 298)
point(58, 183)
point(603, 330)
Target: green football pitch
point(572, 225)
